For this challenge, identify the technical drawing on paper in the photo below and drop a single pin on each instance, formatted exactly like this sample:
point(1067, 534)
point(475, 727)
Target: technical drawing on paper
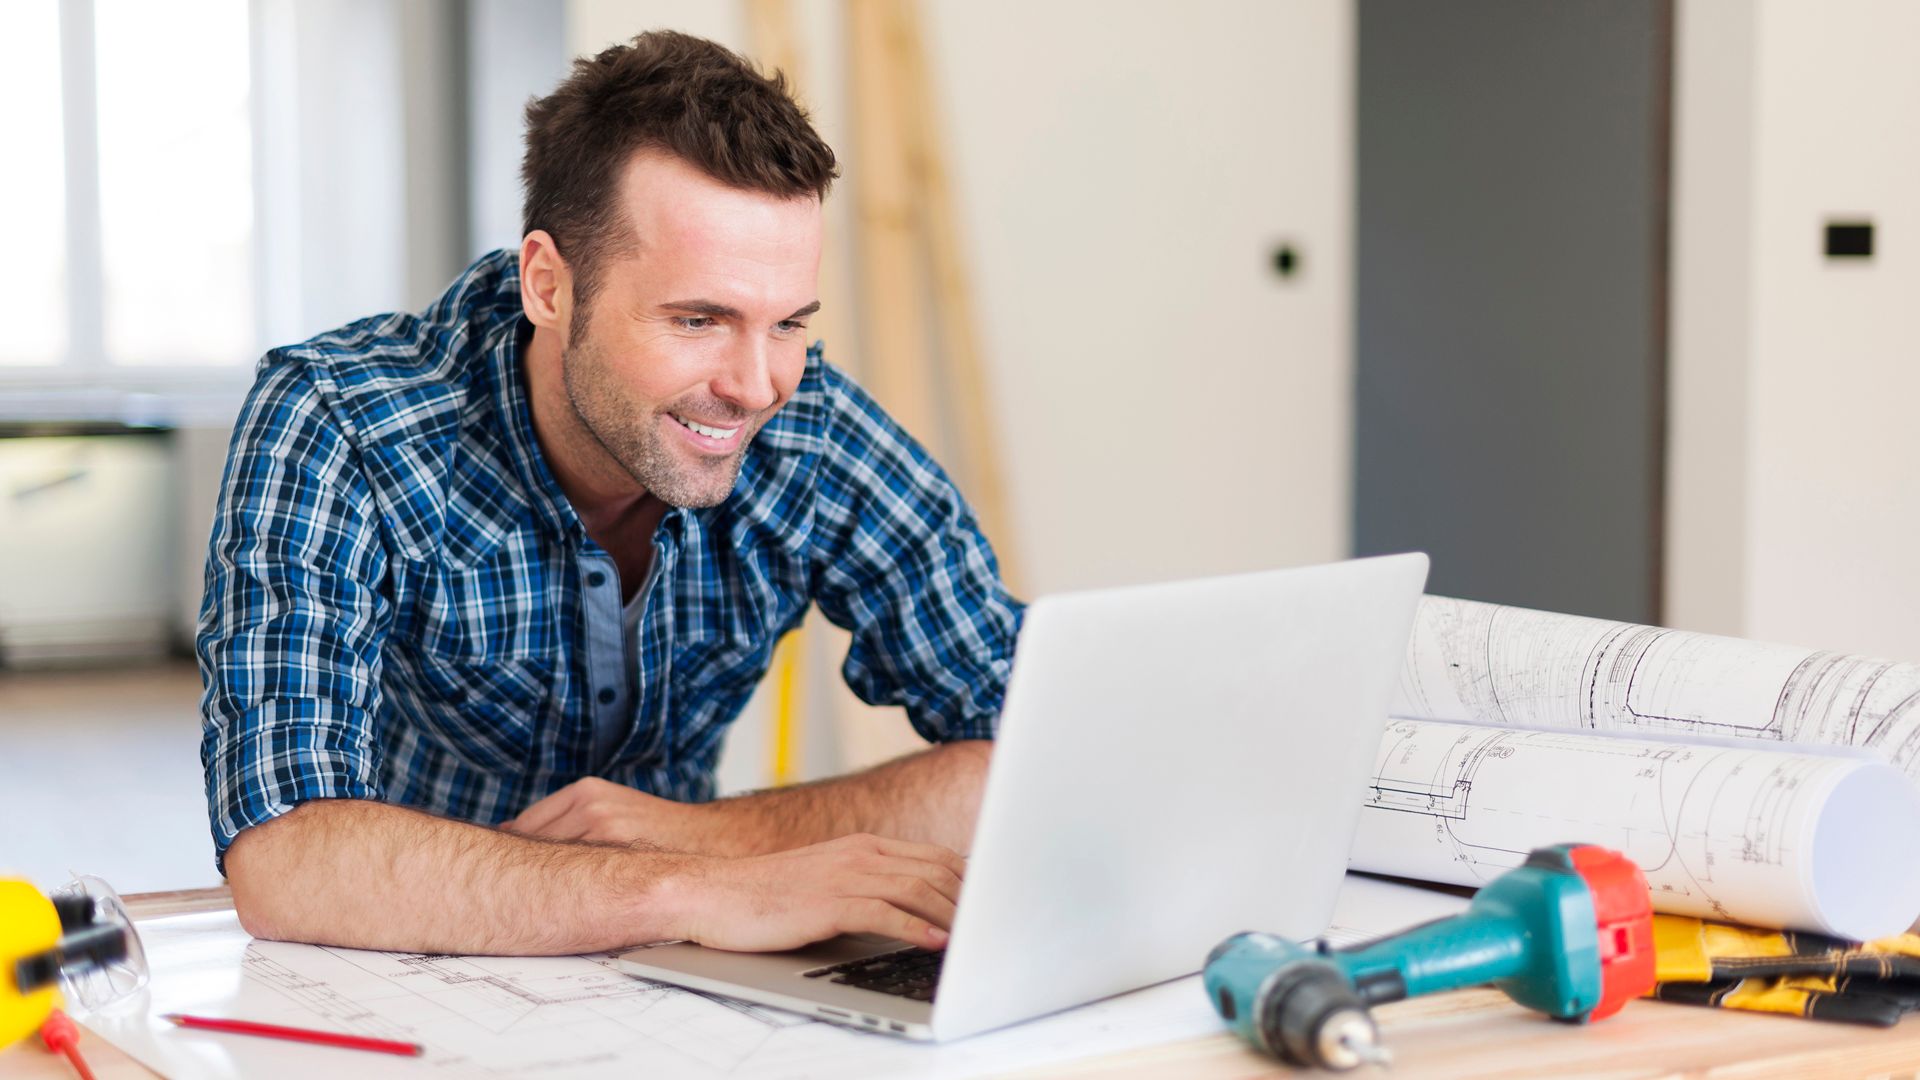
point(1719, 831)
point(583, 1013)
point(1489, 664)
point(559, 1017)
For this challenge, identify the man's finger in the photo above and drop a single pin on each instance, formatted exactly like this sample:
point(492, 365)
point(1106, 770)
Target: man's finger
point(543, 813)
point(933, 853)
point(912, 893)
point(865, 915)
point(943, 880)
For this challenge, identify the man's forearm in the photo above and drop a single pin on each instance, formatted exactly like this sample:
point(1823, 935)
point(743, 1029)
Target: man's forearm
point(930, 797)
point(369, 875)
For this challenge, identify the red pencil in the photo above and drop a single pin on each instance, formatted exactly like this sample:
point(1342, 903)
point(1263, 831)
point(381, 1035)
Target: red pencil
point(275, 1031)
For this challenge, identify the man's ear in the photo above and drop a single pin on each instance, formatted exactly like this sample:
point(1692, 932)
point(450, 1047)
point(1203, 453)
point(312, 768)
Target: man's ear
point(546, 283)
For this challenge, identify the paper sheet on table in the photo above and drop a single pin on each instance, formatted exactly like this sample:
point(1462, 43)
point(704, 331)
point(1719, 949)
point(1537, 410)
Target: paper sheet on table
point(568, 1018)
point(576, 1017)
point(1370, 908)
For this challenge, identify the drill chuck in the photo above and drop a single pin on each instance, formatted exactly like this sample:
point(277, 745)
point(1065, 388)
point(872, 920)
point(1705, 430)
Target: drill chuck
point(1294, 1004)
point(1312, 1017)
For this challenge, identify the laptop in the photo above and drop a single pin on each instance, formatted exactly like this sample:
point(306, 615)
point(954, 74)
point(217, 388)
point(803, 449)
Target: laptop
point(1174, 764)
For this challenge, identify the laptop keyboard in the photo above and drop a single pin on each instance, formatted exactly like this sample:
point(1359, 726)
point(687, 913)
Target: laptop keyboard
point(908, 973)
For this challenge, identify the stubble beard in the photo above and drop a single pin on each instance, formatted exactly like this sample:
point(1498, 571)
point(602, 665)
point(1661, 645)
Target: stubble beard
point(638, 443)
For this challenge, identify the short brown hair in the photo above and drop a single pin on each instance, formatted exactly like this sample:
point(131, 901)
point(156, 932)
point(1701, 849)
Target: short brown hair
point(666, 91)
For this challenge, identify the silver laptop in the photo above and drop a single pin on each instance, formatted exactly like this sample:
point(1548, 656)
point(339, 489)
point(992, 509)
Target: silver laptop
point(1174, 764)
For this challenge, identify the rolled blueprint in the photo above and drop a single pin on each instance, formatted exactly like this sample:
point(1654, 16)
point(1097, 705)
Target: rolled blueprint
point(1823, 844)
point(1488, 664)
point(1748, 834)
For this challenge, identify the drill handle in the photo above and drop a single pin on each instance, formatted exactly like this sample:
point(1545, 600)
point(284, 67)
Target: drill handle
point(1446, 954)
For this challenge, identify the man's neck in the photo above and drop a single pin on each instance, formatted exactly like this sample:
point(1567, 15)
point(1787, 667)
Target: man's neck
point(599, 490)
point(616, 511)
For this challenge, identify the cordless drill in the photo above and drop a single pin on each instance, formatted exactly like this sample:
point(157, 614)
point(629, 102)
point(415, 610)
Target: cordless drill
point(1569, 933)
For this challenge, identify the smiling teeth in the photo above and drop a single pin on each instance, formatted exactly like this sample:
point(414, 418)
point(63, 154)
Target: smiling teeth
point(709, 432)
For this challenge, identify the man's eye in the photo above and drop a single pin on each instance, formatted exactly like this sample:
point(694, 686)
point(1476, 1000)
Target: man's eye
point(789, 326)
point(694, 322)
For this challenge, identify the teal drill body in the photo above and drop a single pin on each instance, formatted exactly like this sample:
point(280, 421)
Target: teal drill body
point(1534, 933)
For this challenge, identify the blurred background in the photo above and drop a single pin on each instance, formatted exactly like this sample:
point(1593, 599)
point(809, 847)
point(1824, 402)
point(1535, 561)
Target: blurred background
point(1610, 305)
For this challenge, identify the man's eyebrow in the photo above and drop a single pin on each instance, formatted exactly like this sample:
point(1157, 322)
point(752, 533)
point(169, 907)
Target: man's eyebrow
point(703, 307)
point(715, 310)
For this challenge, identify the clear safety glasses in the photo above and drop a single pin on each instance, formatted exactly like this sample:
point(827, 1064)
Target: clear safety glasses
point(96, 985)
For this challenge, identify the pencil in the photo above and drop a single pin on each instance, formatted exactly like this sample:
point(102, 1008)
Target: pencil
point(276, 1031)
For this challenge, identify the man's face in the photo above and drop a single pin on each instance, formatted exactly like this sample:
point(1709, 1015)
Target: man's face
point(696, 335)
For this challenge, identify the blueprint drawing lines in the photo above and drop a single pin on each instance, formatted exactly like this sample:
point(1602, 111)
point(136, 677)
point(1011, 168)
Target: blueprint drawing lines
point(1488, 664)
point(1722, 832)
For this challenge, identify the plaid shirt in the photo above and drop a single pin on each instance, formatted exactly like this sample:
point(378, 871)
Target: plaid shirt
point(402, 605)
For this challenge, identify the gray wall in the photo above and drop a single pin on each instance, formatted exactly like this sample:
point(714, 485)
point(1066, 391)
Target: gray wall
point(1510, 315)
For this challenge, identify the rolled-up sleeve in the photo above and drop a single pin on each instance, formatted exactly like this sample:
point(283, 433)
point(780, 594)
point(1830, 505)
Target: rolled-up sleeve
point(899, 561)
point(294, 615)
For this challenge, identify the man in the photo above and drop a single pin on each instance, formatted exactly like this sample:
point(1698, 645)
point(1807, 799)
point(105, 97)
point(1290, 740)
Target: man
point(486, 585)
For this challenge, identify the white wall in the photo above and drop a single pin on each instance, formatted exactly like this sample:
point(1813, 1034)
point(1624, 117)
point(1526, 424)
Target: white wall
point(1170, 407)
point(1167, 406)
point(1795, 466)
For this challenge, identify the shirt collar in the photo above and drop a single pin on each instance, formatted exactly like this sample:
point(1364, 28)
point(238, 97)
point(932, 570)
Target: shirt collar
point(505, 346)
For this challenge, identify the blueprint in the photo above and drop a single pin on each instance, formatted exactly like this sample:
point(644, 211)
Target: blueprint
point(568, 1018)
point(1744, 833)
point(572, 1017)
point(1489, 664)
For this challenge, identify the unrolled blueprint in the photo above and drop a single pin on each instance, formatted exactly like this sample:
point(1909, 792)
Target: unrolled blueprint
point(562, 1017)
point(573, 1017)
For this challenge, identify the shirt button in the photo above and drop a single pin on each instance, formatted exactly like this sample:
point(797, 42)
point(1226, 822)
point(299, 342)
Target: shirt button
point(606, 695)
point(596, 579)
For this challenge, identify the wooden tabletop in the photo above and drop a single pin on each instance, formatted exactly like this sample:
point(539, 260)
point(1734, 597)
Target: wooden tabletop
point(1469, 1033)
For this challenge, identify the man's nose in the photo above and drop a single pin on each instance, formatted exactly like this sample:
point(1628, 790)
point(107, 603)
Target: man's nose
point(747, 379)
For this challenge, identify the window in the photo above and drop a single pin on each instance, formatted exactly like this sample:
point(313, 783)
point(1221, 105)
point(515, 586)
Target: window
point(131, 197)
point(33, 274)
point(187, 185)
point(176, 206)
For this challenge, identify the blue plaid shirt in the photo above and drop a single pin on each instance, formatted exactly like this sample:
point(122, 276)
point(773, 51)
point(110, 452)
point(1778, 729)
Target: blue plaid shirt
point(402, 605)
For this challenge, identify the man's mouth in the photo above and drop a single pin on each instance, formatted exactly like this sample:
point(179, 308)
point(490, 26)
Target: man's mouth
point(721, 434)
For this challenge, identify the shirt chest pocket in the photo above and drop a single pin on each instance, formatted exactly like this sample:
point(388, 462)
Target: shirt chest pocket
point(494, 610)
point(492, 713)
point(472, 660)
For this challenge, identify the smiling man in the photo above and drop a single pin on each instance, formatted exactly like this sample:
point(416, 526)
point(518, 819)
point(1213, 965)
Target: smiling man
point(487, 584)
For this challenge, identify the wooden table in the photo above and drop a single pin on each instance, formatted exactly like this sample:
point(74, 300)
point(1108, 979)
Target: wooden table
point(1470, 1033)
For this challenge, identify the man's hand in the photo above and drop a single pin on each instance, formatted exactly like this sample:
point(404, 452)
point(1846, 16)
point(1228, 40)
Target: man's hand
point(932, 797)
point(596, 809)
point(855, 884)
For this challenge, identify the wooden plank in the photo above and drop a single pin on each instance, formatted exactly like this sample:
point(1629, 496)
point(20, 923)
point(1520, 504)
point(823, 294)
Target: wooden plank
point(159, 905)
point(1483, 1033)
point(896, 361)
point(777, 46)
point(970, 407)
